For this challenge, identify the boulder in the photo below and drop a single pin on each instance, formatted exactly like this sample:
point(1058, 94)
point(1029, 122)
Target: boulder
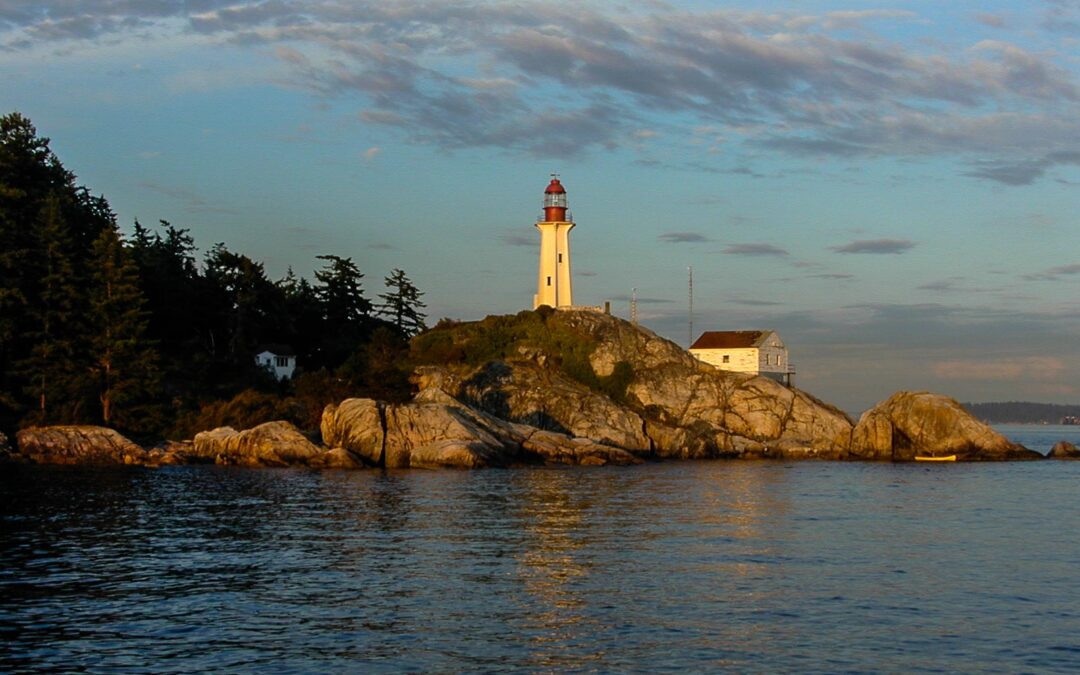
point(357, 425)
point(1064, 450)
point(270, 444)
point(436, 430)
point(555, 448)
point(338, 458)
point(526, 393)
point(919, 423)
point(5, 449)
point(78, 444)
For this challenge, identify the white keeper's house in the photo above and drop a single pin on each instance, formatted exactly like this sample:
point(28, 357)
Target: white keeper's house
point(759, 352)
point(278, 359)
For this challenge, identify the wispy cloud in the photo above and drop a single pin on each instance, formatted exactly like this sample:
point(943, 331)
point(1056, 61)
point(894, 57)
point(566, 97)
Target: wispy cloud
point(514, 238)
point(190, 201)
point(837, 276)
point(1033, 367)
point(683, 238)
point(642, 300)
point(942, 285)
point(755, 250)
point(1055, 273)
point(466, 75)
point(876, 246)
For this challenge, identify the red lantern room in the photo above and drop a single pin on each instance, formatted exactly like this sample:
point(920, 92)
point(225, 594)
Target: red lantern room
point(555, 202)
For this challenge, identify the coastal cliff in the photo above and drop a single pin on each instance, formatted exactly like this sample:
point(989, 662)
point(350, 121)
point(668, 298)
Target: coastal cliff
point(572, 387)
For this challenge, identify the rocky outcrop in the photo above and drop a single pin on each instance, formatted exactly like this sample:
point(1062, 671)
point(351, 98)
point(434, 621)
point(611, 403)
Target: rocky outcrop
point(436, 430)
point(908, 424)
point(78, 444)
point(1064, 450)
point(269, 444)
point(5, 449)
point(523, 392)
point(673, 405)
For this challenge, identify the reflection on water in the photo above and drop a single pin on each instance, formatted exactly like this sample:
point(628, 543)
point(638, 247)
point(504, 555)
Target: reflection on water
point(695, 565)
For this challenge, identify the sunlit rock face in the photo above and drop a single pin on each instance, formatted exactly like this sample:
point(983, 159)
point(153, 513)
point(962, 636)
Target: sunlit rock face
point(270, 444)
point(78, 444)
point(672, 405)
point(910, 424)
point(1064, 450)
point(436, 430)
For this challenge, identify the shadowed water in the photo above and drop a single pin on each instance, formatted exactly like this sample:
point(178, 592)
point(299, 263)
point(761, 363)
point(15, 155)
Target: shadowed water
point(695, 565)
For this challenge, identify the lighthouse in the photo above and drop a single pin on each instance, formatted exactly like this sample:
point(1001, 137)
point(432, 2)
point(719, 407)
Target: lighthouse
point(553, 284)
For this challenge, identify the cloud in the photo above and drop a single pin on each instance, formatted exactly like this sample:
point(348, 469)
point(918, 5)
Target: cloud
point(876, 246)
point(192, 202)
point(755, 250)
point(992, 20)
point(514, 238)
point(1054, 273)
point(372, 152)
point(838, 276)
point(591, 78)
point(641, 300)
point(1031, 367)
point(943, 285)
point(683, 238)
point(1022, 172)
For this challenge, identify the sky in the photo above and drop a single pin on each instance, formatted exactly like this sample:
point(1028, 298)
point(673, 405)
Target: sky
point(894, 188)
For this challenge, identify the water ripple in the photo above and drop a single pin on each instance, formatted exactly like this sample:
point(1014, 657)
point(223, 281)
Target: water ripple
point(696, 566)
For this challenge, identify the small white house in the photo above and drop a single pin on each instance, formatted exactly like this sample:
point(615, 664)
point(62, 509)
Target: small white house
point(760, 352)
point(278, 359)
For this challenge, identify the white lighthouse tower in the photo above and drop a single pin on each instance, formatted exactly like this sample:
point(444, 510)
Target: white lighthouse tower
point(553, 286)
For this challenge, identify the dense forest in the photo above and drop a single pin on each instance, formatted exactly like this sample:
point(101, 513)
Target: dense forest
point(137, 333)
point(1022, 412)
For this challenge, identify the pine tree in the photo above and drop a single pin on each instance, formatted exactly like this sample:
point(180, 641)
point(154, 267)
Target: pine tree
point(124, 363)
point(346, 313)
point(402, 304)
point(340, 291)
point(53, 366)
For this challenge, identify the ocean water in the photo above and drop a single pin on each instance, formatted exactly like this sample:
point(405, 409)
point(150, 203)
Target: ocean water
point(699, 566)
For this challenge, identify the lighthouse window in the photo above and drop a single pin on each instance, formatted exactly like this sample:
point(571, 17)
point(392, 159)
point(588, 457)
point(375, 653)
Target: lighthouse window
point(549, 281)
point(560, 257)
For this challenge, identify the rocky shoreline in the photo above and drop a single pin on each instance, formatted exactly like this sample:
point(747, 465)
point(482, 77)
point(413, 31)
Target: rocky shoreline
point(523, 409)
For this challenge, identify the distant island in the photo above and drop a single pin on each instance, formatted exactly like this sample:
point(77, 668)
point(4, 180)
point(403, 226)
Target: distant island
point(1024, 412)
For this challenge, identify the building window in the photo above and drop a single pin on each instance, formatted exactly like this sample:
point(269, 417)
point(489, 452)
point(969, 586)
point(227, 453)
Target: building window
point(549, 281)
point(726, 358)
point(560, 257)
point(281, 361)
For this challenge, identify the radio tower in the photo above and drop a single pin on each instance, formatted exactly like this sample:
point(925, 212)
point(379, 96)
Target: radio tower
point(633, 307)
point(690, 305)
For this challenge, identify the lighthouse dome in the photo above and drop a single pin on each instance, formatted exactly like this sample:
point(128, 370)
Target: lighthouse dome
point(555, 187)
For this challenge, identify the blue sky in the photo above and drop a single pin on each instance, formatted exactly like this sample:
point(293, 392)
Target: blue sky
point(893, 187)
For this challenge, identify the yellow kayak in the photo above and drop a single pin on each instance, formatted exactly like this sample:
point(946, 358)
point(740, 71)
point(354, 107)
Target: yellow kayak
point(946, 458)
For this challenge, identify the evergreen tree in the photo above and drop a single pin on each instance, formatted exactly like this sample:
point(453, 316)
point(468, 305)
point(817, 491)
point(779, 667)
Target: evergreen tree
point(341, 293)
point(401, 304)
point(253, 306)
point(346, 313)
point(52, 366)
point(304, 330)
point(123, 362)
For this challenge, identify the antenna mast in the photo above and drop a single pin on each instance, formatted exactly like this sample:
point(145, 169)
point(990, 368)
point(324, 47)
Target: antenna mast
point(690, 305)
